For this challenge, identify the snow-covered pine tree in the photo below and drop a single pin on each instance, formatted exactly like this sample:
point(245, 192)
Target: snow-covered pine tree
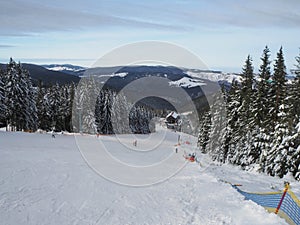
point(145, 117)
point(24, 114)
point(294, 160)
point(298, 64)
point(43, 107)
point(245, 123)
point(218, 122)
point(231, 134)
point(261, 104)
point(69, 93)
point(277, 157)
point(103, 110)
point(2, 99)
point(150, 118)
point(66, 106)
point(247, 83)
point(204, 132)
point(278, 87)
point(253, 134)
point(261, 109)
point(134, 121)
point(55, 103)
point(99, 111)
point(83, 114)
point(293, 141)
point(31, 118)
point(16, 94)
point(294, 92)
point(139, 120)
point(120, 113)
point(11, 93)
point(282, 148)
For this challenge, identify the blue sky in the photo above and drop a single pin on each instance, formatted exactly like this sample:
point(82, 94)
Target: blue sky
point(220, 32)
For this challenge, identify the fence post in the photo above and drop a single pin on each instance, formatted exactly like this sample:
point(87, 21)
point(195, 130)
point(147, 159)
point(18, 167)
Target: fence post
point(286, 187)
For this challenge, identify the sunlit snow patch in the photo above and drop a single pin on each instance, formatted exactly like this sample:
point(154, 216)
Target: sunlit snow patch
point(187, 83)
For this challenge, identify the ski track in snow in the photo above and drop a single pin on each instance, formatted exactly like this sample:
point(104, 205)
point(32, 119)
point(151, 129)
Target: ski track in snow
point(46, 181)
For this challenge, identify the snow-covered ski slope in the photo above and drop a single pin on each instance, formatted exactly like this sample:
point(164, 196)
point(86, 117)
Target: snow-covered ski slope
point(46, 180)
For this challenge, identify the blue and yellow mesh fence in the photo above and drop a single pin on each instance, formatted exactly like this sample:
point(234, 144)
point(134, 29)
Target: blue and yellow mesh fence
point(284, 203)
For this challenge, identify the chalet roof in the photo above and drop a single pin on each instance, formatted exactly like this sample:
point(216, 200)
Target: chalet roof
point(172, 114)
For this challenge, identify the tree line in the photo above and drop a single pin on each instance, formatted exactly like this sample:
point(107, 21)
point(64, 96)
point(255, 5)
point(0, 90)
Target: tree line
point(99, 109)
point(24, 107)
point(261, 127)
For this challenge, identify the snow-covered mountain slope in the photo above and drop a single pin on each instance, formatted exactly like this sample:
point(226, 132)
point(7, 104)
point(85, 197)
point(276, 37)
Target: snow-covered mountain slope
point(187, 83)
point(66, 68)
point(63, 67)
point(46, 180)
point(222, 78)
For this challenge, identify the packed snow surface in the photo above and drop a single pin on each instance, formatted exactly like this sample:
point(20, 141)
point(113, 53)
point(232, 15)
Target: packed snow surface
point(46, 180)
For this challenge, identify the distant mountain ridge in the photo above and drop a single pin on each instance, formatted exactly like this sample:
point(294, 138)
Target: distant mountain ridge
point(196, 83)
point(47, 77)
point(196, 86)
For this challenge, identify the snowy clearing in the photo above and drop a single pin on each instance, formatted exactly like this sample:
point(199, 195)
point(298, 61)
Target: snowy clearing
point(229, 77)
point(45, 180)
point(187, 83)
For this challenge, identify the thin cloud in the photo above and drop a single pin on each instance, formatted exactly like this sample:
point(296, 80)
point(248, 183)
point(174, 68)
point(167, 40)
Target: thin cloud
point(268, 13)
point(23, 18)
point(7, 46)
point(220, 14)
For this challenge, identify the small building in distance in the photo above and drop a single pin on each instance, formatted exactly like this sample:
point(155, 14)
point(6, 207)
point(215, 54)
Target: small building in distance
point(173, 121)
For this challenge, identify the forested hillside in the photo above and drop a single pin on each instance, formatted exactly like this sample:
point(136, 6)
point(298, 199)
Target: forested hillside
point(261, 128)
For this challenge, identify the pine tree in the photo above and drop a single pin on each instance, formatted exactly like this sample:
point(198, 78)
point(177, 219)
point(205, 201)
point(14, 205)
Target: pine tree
point(204, 132)
point(134, 120)
point(2, 99)
point(139, 120)
point(281, 151)
point(297, 65)
point(145, 117)
point(55, 103)
point(231, 135)
point(245, 123)
point(103, 112)
point(263, 91)
point(120, 113)
point(218, 122)
point(43, 107)
point(16, 91)
point(263, 122)
point(12, 92)
point(247, 94)
point(69, 107)
point(31, 118)
point(261, 138)
point(278, 87)
point(292, 143)
point(19, 98)
point(67, 95)
point(295, 94)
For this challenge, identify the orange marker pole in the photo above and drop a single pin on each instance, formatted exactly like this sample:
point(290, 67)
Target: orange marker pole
point(283, 195)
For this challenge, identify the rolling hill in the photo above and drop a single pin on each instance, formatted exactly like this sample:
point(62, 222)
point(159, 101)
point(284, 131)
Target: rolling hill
point(47, 77)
